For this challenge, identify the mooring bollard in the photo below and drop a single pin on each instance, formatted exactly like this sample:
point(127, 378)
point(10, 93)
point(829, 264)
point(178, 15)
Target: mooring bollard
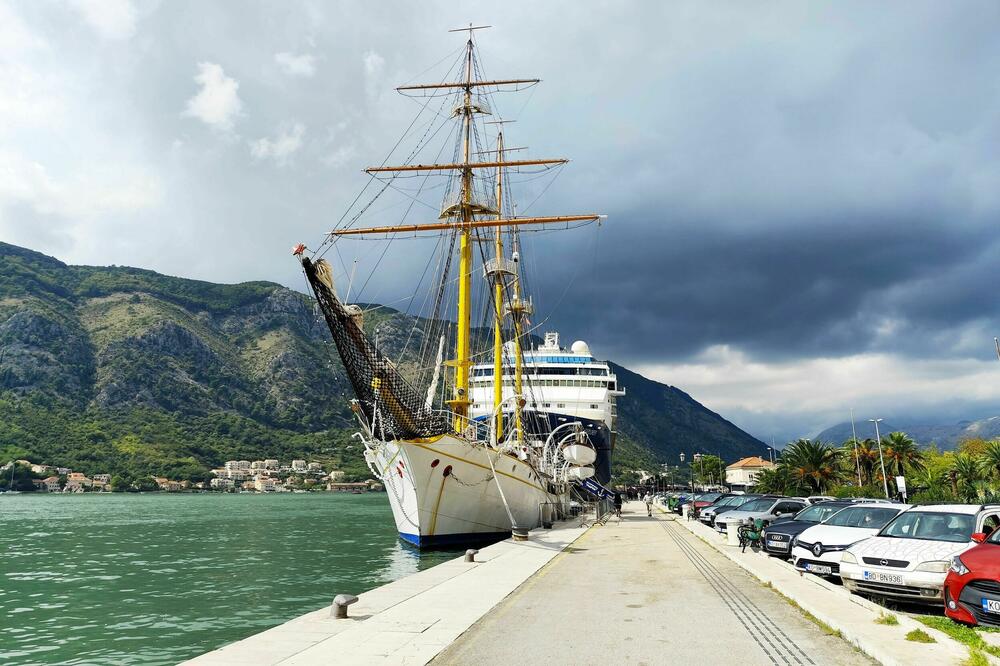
point(519, 534)
point(340, 604)
point(732, 534)
point(470, 555)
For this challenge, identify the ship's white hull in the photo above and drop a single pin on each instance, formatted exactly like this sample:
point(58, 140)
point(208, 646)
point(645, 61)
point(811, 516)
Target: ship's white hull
point(443, 491)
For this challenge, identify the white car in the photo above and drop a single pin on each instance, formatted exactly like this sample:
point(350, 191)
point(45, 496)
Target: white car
point(910, 557)
point(818, 548)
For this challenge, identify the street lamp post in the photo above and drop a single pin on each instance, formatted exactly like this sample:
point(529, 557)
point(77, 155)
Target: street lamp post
point(857, 458)
point(878, 438)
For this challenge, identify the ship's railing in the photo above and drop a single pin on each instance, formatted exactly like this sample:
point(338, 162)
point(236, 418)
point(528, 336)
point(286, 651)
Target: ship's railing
point(553, 512)
point(451, 206)
point(504, 266)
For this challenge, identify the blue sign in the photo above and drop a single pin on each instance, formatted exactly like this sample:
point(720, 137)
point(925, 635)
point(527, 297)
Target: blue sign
point(596, 489)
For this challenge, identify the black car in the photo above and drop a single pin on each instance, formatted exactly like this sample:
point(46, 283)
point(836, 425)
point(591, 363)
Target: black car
point(779, 534)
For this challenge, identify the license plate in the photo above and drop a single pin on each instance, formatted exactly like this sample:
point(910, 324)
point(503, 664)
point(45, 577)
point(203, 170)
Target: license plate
point(819, 568)
point(991, 605)
point(781, 545)
point(879, 577)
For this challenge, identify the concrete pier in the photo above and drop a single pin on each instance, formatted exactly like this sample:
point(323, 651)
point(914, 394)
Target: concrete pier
point(408, 621)
point(645, 591)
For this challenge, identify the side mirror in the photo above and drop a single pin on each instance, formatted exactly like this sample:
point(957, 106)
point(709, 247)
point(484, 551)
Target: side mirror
point(979, 537)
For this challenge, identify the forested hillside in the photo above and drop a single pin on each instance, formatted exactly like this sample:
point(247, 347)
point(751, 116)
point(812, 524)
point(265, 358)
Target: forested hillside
point(114, 369)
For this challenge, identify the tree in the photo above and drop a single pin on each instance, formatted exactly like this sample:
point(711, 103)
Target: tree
point(968, 474)
point(23, 479)
point(869, 461)
point(990, 461)
point(709, 469)
point(775, 481)
point(812, 466)
point(901, 454)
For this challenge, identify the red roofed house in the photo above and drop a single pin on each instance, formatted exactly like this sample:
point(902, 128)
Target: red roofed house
point(742, 474)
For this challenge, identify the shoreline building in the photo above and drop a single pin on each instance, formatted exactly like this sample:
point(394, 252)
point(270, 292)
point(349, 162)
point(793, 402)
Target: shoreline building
point(742, 474)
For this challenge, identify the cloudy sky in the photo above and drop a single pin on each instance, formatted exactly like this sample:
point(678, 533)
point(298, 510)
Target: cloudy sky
point(802, 198)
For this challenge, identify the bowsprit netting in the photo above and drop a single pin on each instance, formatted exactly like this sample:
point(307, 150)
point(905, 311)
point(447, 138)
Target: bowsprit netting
point(401, 411)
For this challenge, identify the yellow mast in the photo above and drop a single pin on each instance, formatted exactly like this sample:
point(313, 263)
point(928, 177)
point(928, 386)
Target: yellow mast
point(498, 285)
point(460, 401)
point(518, 309)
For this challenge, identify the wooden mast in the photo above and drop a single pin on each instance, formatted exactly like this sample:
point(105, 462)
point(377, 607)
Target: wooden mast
point(498, 287)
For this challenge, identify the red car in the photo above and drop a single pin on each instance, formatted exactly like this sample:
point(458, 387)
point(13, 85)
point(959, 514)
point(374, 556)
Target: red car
point(972, 588)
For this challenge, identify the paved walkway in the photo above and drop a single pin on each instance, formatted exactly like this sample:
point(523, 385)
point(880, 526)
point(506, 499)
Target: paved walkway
point(408, 621)
point(645, 591)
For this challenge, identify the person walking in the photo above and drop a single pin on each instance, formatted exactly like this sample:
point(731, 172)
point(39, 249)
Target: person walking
point(648, 499)
point(618, 504)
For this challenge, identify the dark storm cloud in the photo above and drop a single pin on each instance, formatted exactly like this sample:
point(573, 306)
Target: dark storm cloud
point(796, 181)
point(824, 288)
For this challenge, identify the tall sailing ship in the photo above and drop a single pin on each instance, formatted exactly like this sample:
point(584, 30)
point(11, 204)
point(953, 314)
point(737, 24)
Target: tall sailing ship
point(497, 444)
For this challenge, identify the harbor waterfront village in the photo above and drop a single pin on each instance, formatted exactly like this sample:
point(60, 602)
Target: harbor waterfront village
point(261, 476)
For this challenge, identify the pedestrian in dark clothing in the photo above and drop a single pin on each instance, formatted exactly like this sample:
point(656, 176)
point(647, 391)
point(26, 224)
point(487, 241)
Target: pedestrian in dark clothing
point(618, 504)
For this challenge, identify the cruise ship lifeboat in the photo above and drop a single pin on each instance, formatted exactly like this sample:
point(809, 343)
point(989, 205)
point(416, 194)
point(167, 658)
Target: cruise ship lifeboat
point(579, 454)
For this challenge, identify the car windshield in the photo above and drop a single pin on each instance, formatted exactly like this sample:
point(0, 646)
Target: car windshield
point(762, 504)
point(867, 517)
point(932, 526)
point(709, 497)
point(817, 513)
point(735, 500)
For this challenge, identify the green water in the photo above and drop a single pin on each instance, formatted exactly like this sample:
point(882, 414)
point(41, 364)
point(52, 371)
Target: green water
point(155, 578)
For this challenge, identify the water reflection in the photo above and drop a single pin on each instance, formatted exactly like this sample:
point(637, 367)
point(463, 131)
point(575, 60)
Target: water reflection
point(154, 579)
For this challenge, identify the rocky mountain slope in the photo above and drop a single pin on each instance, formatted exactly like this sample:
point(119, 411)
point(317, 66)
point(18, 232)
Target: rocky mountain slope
point(124, 369)
point(945, 436)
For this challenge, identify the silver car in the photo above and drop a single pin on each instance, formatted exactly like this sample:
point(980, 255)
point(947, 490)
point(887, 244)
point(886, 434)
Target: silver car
point(765, 508)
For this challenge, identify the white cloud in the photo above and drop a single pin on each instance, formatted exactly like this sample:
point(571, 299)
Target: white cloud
point(111, 19)
point(811, 394)
point(218, 102)
point(282, 147)
point(340, 156)
point(91, 192)
point(296, 65)
point(374, 69)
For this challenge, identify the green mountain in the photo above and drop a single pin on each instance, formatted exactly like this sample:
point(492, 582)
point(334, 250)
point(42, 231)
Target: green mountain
point(123, 370)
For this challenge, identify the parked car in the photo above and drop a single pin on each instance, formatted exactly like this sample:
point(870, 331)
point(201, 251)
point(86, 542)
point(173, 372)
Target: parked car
point(711, 512)
point(700, 500)
point(816, 499)
point(818, 549)
point(972, 587)
point(778, 536)
point(767, 508)
point(911, 556)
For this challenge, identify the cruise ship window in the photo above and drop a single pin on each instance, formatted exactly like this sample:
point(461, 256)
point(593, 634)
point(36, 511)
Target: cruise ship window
point(561, 405)
point(595, 406)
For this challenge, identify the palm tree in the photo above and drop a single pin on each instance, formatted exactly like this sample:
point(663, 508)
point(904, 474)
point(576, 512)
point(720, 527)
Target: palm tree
point(812, 465)
point(851, 459)
point(990, 461)
point(773, 481)
point(868, 457)
point(968, 473)
point(901, 454)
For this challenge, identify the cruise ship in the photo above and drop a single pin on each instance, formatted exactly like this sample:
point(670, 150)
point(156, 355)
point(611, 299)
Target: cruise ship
point(560, 386)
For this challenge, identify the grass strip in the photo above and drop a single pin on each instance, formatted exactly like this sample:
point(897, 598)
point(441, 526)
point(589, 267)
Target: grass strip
point(962, 633)
point(920, 636)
